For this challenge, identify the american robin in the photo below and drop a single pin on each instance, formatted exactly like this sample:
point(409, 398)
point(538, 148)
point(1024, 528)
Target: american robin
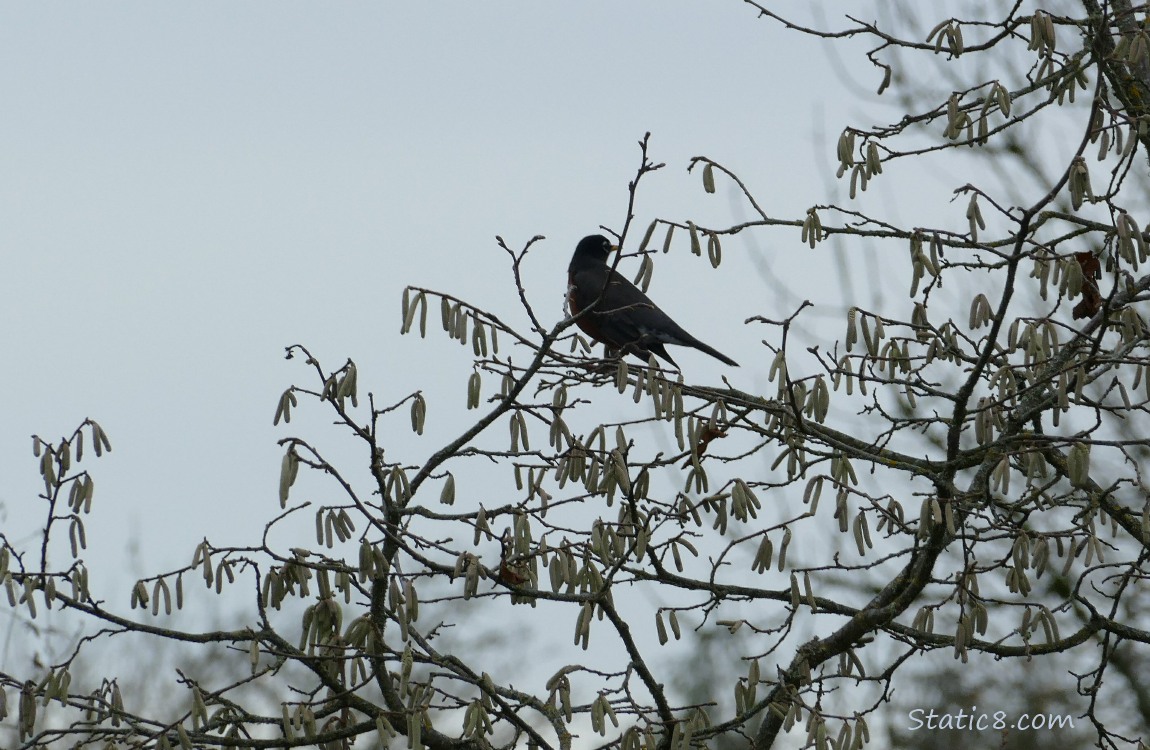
point(621, 316)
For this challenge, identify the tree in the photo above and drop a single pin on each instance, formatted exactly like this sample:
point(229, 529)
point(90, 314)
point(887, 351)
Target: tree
point(960, 475)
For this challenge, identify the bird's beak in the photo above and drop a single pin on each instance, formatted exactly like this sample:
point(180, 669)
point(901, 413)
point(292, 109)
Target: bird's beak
point(614, 249)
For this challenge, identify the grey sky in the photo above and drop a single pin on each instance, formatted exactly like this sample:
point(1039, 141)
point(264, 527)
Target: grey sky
point(186, 189)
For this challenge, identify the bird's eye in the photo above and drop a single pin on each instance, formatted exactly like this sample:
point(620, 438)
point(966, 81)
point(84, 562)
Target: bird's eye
point(606, 244)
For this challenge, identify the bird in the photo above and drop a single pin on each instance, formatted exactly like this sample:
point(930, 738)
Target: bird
point(614, 312)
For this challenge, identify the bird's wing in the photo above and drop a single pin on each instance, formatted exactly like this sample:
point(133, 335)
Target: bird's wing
point(636, 317)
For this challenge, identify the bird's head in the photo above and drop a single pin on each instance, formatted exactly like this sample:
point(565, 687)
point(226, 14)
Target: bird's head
point(594, 246)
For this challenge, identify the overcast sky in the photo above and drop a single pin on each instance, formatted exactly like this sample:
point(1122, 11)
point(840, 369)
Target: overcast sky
point(187, 189)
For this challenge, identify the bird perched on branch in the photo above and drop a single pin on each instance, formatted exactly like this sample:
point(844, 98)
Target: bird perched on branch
point(614, 312)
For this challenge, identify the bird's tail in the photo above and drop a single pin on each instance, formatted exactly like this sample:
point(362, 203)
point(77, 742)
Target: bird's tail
point(714, 353)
